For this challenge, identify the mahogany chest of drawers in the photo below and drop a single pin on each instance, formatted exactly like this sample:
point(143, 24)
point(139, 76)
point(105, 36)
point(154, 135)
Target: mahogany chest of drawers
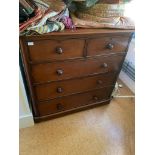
point(72, 70)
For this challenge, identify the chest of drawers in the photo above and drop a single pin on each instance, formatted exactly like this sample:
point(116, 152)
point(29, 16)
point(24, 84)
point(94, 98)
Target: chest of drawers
point(72, 70)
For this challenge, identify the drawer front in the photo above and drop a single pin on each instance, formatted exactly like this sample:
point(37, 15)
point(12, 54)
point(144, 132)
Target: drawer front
point(74, 101)
point(62, 88)
point(45, 50)
point(66, 70)
point(107, 45)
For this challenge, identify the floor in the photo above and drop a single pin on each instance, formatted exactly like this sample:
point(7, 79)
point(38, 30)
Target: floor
point(105, 130)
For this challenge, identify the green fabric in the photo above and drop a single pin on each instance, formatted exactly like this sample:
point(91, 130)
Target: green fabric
point(74, 6)
point(86, 5)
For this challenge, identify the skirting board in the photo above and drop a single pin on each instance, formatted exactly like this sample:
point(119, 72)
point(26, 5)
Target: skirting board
point(130, 83)
point(26, 121)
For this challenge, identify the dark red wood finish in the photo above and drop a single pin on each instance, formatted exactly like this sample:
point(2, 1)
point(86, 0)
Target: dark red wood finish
point(73, 86)
point(74, 70)
point(107, 45)
point(56, 49)
point(73, 101)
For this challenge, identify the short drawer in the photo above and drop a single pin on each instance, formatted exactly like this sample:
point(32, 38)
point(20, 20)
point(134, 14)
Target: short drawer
point(107, 45)
point(62, 88)
point(46, 50)
point(71, 69)
point(74, 101)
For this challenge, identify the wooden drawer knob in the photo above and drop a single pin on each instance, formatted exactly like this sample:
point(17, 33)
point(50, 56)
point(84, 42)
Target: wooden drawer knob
point(95, 98)
point(105, 65)
point(59, 71)
point(59, 50)
point(110, 46)
point(59, 106)
point(59, 90)
point(99, 82)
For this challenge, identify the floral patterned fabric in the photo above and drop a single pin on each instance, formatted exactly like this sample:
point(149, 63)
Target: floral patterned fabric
point(51, 15)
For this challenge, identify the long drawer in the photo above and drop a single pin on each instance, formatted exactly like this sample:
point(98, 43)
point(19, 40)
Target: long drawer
point(70, 69)
point(74, 101)
point(46, 50)
point(107, 45)
point(67, 87)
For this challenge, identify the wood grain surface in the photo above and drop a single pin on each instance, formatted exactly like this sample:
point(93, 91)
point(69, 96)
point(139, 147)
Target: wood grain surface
point(71, 55)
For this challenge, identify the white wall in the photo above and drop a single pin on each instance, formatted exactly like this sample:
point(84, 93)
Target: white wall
point(130, 10)
point(131, 52)
point(130, 57)
point(25, 114)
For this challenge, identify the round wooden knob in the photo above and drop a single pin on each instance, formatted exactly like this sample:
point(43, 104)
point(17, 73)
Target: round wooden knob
point(105, 65)
point(110, 46)
point(95, 98)
point(59, 71)
point(59, 90)
point(59, 106)
point(59, 50)
point(99, 82)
